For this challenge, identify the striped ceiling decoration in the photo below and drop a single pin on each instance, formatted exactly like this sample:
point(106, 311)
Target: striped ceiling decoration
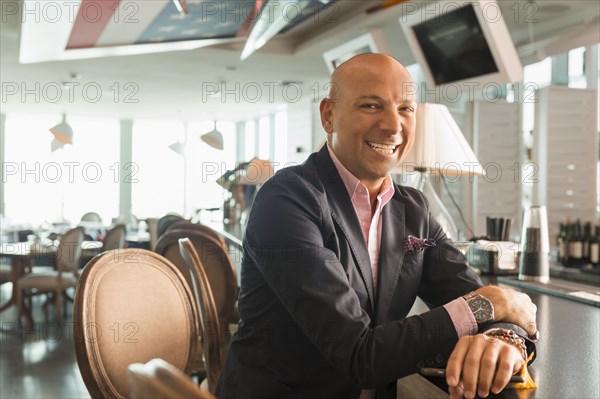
point(124, 22)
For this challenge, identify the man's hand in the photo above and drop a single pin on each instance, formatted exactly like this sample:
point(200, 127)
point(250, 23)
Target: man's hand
point(511, 306)
point(480, 363)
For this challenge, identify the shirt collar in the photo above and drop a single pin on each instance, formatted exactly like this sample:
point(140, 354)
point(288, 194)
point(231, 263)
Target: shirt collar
point(352, 183)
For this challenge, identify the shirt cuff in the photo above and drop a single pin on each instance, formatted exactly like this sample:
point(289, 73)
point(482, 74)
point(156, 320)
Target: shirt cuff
point(462, 317)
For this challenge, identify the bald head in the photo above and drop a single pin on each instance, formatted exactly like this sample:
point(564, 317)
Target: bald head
point(369, 116)
point(365, 66)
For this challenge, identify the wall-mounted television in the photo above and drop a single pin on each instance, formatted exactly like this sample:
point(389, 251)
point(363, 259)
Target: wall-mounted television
point(371, 42)
point(462, 41)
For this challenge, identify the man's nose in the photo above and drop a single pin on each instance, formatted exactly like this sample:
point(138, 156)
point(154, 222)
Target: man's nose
point(391, 122)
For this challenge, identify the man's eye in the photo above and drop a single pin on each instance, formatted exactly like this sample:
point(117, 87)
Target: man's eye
point(370, 106)
point(407, 109)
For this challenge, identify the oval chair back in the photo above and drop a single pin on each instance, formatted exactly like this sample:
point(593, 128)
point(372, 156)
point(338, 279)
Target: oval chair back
point(69, 251)
point(131, 306)
point(217, 263)
point(166, 221)
point(187, 225)
point(115, 238)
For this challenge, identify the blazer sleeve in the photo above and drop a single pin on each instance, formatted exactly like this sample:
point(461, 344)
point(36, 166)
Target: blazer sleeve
point(447, 276)
point(285, 239)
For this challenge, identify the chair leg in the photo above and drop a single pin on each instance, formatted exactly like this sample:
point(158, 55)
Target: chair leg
point(69, 297)
point(45, 306)
point(23, 310)
point(65, 303)
point(58, 306)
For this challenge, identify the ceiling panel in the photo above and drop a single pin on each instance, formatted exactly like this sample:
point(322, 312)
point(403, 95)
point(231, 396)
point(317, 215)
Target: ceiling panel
point(176, 83)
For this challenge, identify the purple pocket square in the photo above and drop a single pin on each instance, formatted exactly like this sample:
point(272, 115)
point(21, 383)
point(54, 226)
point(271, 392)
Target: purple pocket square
point(414, 245)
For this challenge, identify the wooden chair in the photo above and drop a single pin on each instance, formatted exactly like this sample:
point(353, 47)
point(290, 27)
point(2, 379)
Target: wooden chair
point(166, 221)
point(187, 225)
point(153, 231)
point(213, 340)
point(5, 271)
point(115, 238)
point(68, 257)
point(218, 266)
point(131, 306)
point(221, 275)
point(159, 379)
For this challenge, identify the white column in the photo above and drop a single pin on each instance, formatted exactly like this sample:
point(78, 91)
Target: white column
point(272, 136)
point(125, 158)
point(2, 151)
point(592, 68)
point(241, 140)
point(256, 138)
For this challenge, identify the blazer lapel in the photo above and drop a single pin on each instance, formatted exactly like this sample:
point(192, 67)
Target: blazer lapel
point(344, 215)
point(391, 256)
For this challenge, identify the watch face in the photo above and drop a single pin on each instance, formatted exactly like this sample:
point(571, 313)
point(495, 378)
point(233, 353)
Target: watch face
point(482, 309)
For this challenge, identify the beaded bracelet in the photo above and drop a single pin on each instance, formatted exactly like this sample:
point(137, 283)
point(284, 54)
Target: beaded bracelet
point(509, 336)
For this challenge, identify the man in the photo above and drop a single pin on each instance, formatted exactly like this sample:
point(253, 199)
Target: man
point(329, 270)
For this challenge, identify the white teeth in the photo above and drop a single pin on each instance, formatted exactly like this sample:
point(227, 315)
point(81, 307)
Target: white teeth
point(383, 148)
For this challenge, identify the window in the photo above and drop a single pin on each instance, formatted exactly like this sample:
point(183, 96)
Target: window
point(206, 164)
point(576, 59)
point(264, 138)
point(96, 148)
point(535, 76)
point(157, 173)
point(250, 140)
point(45, 186)
point(32, 176)
point(281, 149)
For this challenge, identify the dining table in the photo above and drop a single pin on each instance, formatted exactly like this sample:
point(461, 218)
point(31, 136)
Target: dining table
point(23, 255)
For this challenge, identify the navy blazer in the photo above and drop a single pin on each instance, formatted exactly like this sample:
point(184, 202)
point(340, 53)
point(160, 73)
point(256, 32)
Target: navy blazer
point(311, 324)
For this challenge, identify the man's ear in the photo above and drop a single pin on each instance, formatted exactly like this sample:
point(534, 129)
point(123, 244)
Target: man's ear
point(326, 115)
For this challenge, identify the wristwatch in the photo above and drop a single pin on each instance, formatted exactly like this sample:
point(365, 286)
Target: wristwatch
point(482, 308)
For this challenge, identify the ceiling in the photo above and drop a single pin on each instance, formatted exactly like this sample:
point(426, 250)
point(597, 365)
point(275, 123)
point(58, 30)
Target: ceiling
point(290, 67)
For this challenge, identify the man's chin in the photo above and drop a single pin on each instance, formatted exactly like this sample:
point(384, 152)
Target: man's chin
point(381, 174)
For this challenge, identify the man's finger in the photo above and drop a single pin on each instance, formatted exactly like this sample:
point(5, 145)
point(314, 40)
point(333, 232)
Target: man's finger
point(471, 365)
point(487, 368)
point(531, 329)
point(456, 392)
point(455, 361)
point(508, 362)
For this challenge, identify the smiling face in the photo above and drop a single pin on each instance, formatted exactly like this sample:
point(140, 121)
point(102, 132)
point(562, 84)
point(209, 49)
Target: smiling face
point(369, 116)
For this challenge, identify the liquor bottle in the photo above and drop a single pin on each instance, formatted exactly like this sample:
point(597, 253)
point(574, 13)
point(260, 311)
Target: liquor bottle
point(566, 260)
point(595, 247)
point(561, 244)
point(576, 246)
point(587, 239)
